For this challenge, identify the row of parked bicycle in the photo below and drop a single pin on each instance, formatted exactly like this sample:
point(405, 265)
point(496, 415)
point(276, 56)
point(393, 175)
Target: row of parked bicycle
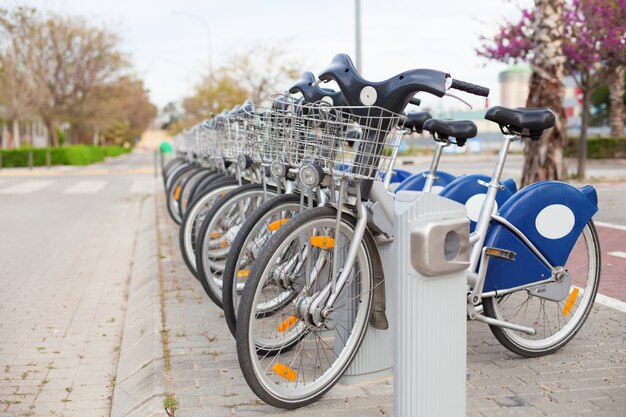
point(284, 210)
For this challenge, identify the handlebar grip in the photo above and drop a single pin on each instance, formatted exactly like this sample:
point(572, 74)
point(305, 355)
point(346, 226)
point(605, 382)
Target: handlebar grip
point(470, 88)
point(415, 101)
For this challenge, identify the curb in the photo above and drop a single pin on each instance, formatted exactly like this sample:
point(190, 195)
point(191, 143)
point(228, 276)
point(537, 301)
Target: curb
point(140, 386)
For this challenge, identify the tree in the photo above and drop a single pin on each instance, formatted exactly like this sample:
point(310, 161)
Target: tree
point(537, 38)
point(116, 112)
point(263, 70)
point(20, 93)
point(216, 92)
point(593, 43)
point(253, 75)
point(72, 60)
point(616, 98)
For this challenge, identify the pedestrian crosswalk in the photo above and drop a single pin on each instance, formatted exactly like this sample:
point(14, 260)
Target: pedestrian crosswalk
point(86, 187)
point(26, 187)
point(73, 187)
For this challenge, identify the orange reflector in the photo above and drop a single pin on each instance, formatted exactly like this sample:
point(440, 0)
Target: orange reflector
point(215, 235)
point(285, 371)
point(570, 302)
point(276, 225)
point(177, 192)
point(324, 242)
point(223, 243)
point(285, 325)
point(243, 273)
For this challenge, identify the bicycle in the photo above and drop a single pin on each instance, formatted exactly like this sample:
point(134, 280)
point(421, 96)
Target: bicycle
point(333, 254)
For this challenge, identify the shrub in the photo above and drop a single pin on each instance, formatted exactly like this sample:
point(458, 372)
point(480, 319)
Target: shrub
point(599, 148)
point(64, 155)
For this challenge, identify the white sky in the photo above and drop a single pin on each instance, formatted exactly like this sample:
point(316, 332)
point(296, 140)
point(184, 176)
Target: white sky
point(169, 51)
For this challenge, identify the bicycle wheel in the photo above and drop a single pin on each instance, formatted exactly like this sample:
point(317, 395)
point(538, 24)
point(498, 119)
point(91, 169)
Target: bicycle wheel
point(174, 190)
point(174, 171)
point(218, 230)
point(197, 189)
point(169, 167)
point(187, 185)
point(192, 221)
point(556, 322)
point(246, 248)
point(315, 354)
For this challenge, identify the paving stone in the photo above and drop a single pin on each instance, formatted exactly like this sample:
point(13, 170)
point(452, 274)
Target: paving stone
point(586, 377)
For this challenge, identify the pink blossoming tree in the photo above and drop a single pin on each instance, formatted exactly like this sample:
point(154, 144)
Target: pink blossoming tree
point(593, 45)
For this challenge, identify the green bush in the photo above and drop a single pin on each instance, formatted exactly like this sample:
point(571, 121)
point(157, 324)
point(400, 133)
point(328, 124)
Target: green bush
point(115, 150)
point(599, 148)
point(64, 155)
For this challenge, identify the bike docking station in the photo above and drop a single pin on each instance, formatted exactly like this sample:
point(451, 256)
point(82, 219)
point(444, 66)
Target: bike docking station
point(425, 292)
point(431, 240)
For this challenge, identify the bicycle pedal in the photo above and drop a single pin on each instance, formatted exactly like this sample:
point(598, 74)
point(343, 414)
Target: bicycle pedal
point(500, 253)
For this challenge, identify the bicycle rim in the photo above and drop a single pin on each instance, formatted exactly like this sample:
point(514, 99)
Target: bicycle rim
point(299, 361)
point(556, 322)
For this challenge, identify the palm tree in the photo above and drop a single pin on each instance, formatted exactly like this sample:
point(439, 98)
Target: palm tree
point(544, 158)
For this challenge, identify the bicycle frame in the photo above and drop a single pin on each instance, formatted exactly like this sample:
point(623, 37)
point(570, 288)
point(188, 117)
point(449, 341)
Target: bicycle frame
point(479, 255)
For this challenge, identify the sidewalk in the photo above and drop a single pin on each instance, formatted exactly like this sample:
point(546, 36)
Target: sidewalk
point(587, 377)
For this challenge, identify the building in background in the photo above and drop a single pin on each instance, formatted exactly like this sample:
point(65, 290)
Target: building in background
point(514, 82)
point(514, 85)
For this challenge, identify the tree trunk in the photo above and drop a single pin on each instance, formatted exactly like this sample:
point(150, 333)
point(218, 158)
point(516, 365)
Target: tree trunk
point(53, 137)
point(616, 97)
point(15, 124)
point(6, 136)
point(544, 158)
point(96, 137)
point(584, 126)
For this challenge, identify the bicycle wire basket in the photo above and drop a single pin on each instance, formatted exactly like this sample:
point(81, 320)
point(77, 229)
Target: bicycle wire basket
point(354, 142)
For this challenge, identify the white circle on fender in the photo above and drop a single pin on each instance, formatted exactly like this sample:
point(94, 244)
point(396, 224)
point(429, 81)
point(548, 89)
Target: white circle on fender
point(555, 221)
point(368, 95)
point(475, 203)
point(328, 100)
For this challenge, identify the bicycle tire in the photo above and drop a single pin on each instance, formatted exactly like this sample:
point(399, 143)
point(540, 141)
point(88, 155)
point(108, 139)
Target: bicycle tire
point(191, 223)
point(186, 187)
point(174, 191)
point(231, 268)
point(258, 376)
point(525, 345)
point(203, 265)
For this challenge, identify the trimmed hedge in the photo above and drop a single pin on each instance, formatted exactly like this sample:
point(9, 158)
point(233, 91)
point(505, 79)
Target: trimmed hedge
point(599, 148)
point(65, 155)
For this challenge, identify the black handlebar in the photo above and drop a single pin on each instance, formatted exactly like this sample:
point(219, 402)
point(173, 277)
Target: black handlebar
point(415, 101)
point(392, 94)
point(313, 93)
point(470, 88)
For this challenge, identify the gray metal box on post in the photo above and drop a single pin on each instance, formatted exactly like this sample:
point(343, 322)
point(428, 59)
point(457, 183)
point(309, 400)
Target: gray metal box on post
point(431, 241)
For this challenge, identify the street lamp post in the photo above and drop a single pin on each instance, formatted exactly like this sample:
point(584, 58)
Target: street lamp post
point(357, 26)
point(208, 33)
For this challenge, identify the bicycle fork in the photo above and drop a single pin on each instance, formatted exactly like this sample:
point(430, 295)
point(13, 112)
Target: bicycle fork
point(321, 307)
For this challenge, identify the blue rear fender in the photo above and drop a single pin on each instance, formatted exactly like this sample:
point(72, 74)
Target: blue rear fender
point(416, 181)
point(400, 175)
point(551, 215)
point(468, 191)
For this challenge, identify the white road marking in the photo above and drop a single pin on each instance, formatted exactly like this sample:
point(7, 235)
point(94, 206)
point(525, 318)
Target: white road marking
point(86, 187)
point(619, 254)
point(611, 225)
point(142, 187)
point(611, 302)
point(27, 187)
